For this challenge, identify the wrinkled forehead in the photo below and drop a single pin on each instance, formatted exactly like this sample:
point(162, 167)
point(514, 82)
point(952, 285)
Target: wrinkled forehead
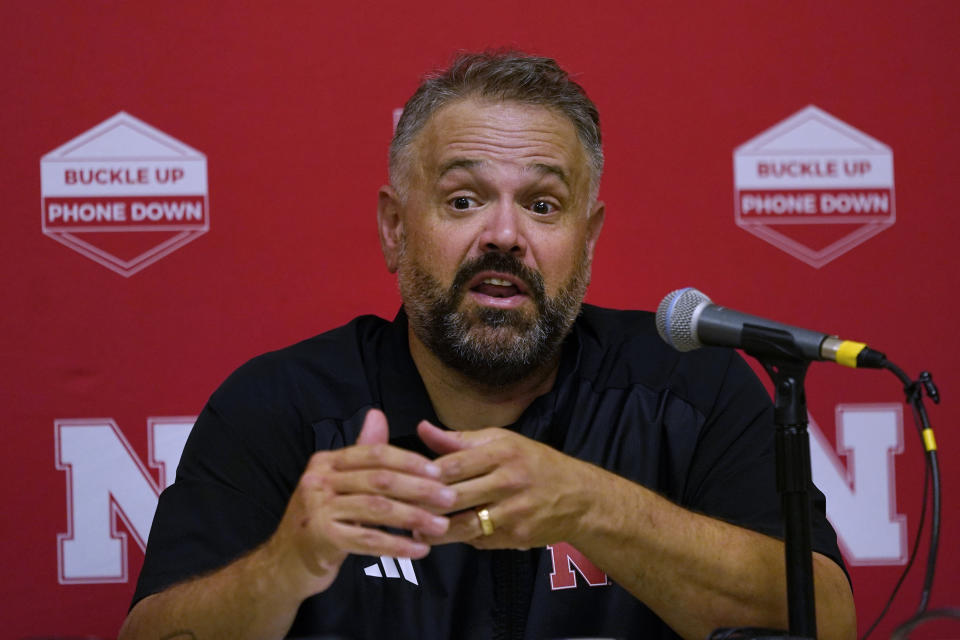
point(478, 131)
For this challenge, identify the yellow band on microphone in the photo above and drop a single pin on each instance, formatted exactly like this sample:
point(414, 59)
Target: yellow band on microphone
point(848, 351)
point(929, 442)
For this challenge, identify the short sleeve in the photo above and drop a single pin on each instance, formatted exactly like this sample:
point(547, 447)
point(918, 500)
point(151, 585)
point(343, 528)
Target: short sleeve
point(238, 469)
point(733, 473)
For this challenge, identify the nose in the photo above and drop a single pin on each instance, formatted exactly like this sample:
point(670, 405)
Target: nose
point(502, 232)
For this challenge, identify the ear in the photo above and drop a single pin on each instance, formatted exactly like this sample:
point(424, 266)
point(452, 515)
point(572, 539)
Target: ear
point(594, 224)
point(390, 226)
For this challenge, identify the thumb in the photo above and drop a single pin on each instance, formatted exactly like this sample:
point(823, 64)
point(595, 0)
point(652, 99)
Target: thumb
point(374, 428)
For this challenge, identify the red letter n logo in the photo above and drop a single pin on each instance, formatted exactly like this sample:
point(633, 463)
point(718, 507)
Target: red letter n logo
point(565, 560)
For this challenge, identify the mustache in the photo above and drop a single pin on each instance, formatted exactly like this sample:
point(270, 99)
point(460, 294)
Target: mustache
point(504, 263)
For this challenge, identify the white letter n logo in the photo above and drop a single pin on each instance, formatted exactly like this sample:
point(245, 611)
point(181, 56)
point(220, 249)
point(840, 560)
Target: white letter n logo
point(106, 481)
point(862, 498)
point(565, 559)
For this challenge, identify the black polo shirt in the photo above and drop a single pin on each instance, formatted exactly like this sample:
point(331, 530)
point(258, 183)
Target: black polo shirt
point(696, 427)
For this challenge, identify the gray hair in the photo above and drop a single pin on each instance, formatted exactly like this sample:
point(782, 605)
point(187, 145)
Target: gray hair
point(503, 76)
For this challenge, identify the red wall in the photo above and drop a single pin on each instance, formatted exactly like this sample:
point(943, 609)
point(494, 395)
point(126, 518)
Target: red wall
point(291, 104)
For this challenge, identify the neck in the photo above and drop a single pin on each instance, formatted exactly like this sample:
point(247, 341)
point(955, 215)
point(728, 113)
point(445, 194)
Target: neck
point(463, 404)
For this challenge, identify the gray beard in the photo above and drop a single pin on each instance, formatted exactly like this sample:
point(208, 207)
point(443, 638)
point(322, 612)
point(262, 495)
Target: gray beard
point(495, 348)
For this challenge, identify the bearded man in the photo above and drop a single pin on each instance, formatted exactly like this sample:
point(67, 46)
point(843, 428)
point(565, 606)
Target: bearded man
point(500, 461)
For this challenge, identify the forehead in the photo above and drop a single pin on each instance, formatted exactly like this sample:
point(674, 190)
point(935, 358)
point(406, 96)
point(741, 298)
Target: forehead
point(486, 131)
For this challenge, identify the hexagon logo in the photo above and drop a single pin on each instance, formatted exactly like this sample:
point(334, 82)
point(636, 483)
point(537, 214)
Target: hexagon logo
point(813, 186)
point(124, 194)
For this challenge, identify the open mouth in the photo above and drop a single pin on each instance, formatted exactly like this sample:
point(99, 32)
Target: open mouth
point(498, 288)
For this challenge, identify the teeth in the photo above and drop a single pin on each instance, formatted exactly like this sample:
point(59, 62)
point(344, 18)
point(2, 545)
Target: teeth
point(498, 282)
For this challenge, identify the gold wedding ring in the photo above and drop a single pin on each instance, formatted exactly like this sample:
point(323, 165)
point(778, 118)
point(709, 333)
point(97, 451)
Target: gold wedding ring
point(486, 523)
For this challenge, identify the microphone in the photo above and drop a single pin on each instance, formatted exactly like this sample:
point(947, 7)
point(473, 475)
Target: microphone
point(687, 320)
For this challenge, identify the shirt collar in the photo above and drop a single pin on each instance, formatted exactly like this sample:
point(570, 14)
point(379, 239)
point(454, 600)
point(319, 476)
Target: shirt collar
point(404, 398)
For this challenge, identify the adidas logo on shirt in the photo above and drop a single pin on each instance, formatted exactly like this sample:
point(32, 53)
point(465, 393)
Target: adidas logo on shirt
point(390, 569)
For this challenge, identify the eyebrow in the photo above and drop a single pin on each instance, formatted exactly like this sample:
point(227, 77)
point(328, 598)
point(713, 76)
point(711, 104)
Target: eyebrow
point(551, 169)
point(458, 163)
point(539, 167)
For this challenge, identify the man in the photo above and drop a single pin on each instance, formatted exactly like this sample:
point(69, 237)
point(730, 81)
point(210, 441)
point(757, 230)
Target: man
point(497, 462)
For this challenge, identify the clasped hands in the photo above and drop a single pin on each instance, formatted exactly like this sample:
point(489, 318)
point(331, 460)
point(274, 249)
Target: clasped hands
point(534, 496)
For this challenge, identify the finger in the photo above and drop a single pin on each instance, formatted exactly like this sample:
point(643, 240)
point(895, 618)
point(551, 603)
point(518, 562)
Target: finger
point(471, 463)
point(382, 511)
point(440, 440)
point(369, 541)
point(383, 456)
point(374, 428)
point(482, 490)
point(464, 527)
point(393, 484)
point(443, 441)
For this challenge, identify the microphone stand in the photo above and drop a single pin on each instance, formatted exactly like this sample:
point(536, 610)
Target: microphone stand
point(781, 359)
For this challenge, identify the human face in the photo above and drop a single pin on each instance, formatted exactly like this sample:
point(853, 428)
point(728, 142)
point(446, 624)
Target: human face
point(494, 236)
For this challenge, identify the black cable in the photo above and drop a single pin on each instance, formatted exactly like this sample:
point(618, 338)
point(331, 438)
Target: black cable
point(900, 633)
point(914, 393)
point(934, 533)
point(913, 555)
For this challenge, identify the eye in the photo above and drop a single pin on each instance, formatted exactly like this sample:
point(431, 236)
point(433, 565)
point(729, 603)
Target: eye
point(542, 207)
point(462, 202)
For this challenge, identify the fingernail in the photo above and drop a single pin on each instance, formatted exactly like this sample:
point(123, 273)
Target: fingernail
point(439, 524)
point(446, 496)
point(432, 469)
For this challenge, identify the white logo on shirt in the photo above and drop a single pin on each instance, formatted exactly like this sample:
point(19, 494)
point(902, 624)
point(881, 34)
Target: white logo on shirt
point(390, 569)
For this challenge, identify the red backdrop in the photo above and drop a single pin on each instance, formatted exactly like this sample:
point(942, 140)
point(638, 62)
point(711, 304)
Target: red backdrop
point(291, 105)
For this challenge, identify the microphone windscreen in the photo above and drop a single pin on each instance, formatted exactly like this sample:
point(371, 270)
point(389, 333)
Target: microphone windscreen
point(675, 318)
